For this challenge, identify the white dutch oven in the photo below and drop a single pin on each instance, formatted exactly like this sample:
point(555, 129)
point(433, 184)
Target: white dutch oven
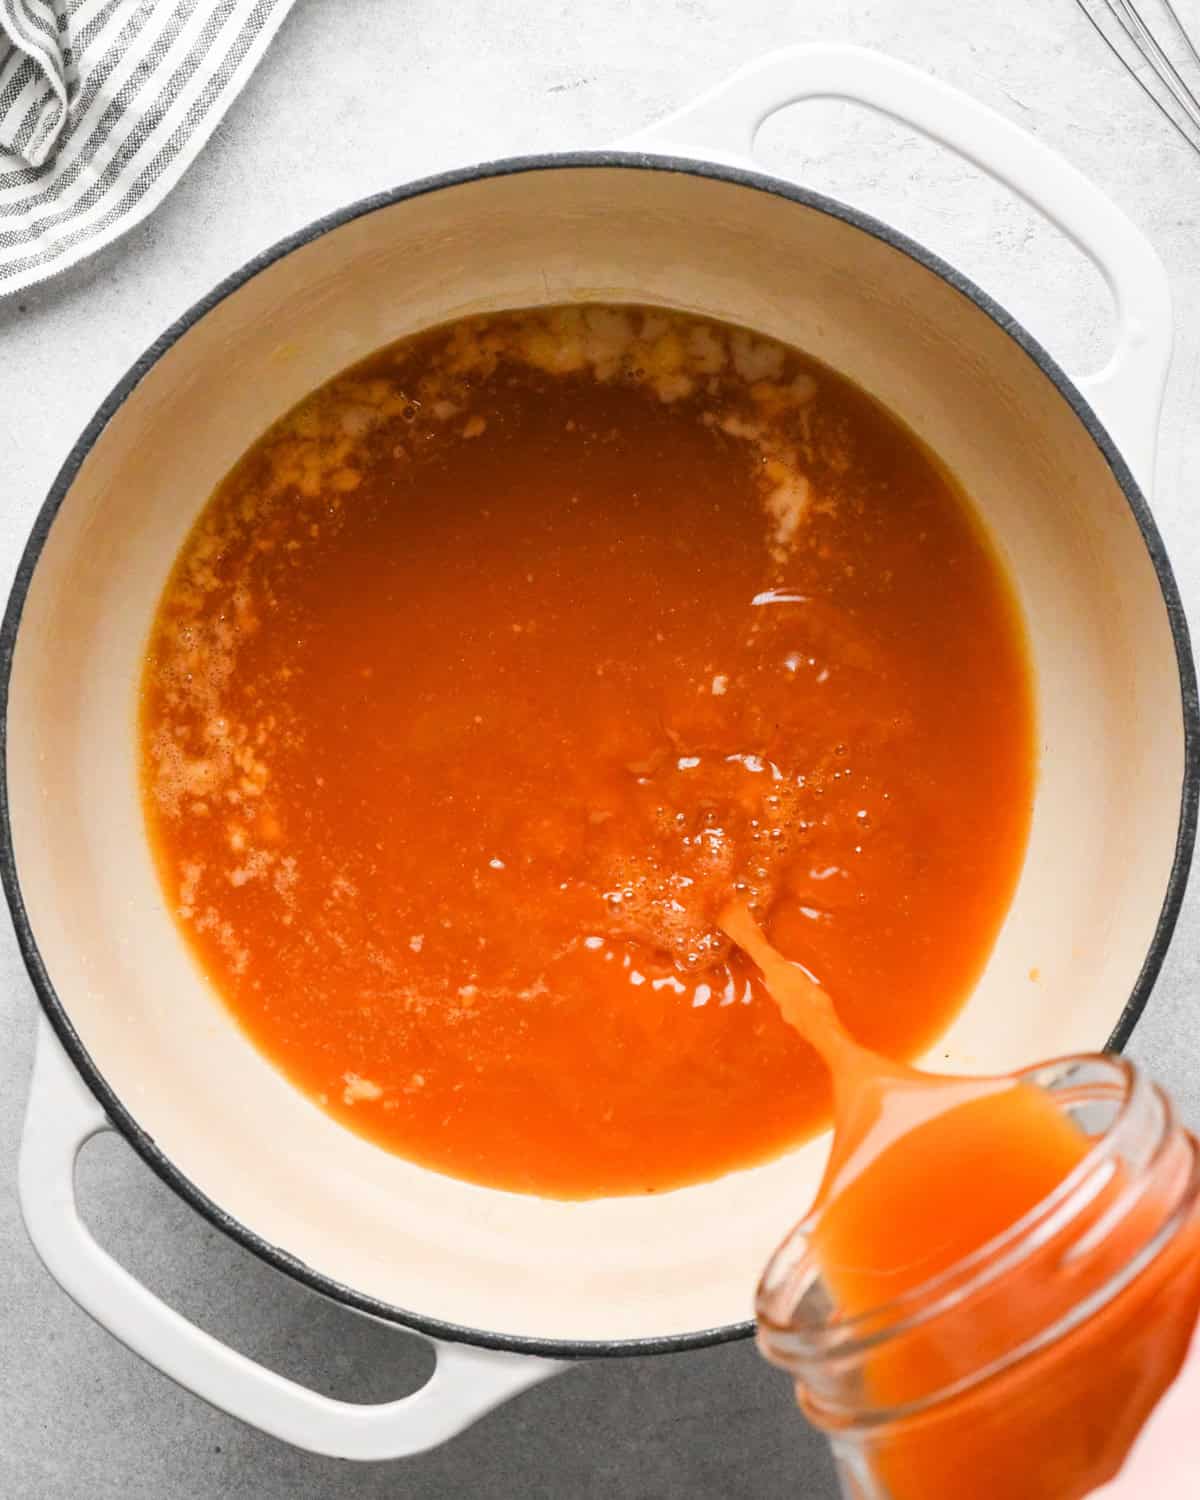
point(509, 1287)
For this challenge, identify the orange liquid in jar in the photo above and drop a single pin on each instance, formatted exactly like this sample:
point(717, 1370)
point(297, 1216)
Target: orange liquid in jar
point(927, 1172)
point(1059, 1423)
point(493, 669)
point(941, 1190)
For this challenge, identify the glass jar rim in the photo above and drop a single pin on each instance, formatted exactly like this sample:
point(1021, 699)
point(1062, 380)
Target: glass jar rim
point(852, 1337)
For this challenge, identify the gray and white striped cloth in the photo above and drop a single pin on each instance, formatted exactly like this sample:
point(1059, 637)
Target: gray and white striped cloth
point(103, 106)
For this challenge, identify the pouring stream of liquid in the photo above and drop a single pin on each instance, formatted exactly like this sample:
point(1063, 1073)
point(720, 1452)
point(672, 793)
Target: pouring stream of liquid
point(876, 1101)
point(923, 1170)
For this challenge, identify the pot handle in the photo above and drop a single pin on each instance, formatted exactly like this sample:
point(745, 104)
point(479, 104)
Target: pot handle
point(722, 124)
point(62, 1115)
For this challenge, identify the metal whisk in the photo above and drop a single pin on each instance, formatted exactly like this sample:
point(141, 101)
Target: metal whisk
point(1151, 41)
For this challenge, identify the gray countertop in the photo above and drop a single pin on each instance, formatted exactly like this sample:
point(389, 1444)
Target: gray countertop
point(357, 97)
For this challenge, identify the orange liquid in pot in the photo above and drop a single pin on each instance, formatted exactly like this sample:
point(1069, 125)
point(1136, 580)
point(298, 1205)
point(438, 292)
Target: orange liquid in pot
point(493, 669)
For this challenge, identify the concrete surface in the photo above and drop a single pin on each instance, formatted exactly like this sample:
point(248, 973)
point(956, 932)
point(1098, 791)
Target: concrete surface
point(354, 98)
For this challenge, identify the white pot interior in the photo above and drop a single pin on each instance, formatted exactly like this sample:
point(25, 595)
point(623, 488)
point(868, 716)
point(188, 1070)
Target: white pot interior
point(1112, 748)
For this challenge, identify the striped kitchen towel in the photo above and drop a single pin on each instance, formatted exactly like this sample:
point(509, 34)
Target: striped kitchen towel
point(103, 106)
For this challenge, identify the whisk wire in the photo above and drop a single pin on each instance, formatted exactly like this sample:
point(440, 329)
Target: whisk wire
point(1182, 30)
point(1166, 69)
point(1137, 31)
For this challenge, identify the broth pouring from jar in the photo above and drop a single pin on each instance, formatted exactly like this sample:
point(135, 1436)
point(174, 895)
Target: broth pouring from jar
point(1002, 1299)
point(923, 1169)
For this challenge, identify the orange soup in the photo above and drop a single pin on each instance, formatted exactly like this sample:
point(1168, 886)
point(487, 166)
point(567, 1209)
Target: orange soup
point(495, 668)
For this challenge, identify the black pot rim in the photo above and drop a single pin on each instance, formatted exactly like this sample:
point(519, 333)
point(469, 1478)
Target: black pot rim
point(54, 1008)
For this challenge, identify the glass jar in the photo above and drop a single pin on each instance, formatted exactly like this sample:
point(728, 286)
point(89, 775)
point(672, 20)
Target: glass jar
point(1025, 1371)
